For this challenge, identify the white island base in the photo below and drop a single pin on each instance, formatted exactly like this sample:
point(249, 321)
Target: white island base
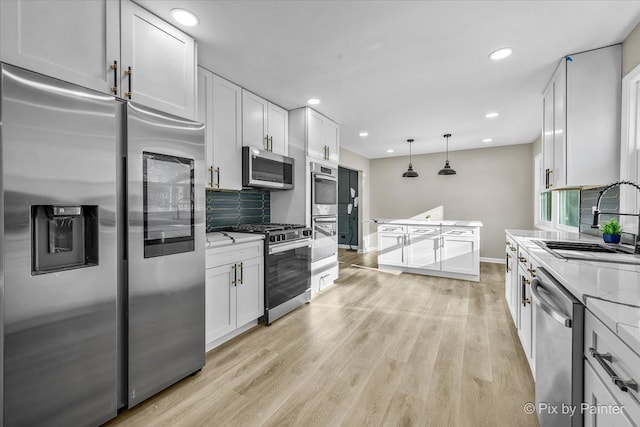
point(434, 248)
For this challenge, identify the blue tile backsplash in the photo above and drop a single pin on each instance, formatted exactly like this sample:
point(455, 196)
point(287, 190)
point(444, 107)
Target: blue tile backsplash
point(229, 208)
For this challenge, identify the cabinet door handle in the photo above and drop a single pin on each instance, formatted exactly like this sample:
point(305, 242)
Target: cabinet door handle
point(235, 274)
point(546, 178)
point(524, 301)
point(328, 152)
point(241, 274)
point(602, 359)
point(114, 88)
point(128, 72)
point(507, 262)
point(266, 142)
point(218, 173)
point(549, 177)
point(210, 176)
point(271, 143)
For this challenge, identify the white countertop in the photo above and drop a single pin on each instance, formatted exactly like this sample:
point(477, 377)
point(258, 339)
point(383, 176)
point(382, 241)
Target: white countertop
point(611, 291)
point(218, 239)
point(455, 223)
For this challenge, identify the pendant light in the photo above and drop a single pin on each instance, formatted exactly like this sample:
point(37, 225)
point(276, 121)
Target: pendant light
point(410, 173)
point(446, 170)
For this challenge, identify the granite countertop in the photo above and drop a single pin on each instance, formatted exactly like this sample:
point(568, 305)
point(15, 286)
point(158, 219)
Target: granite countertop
point(455, 223)
point(610, 291)
point(218, 239)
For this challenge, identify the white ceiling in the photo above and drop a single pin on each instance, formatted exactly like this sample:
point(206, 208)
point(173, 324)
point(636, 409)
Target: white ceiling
point(403, 69)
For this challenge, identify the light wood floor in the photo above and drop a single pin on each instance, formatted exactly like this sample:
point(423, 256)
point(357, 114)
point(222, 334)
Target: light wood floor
point(375, 349)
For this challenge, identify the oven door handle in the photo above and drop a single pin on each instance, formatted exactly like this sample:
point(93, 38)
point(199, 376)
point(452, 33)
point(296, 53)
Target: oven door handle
point(326, 220)
point(325, 177)
point(547, 306)
point(289, 246)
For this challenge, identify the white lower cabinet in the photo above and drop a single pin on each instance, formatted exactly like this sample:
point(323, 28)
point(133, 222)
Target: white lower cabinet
point(391, 246)
point(596, 394)
point(422, 250)
point(459, 255)
point(608, 358)
point(323, 274)
point(511, 278)
point(234, 290)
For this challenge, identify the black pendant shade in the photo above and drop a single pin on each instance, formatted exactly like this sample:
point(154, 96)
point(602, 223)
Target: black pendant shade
point(410, 173)
point(446, 170)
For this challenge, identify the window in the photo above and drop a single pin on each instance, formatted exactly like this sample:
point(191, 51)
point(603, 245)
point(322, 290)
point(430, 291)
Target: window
point(569, 208)
point(545, 207)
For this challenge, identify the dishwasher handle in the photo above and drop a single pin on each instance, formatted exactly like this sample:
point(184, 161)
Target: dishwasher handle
point(547, 306)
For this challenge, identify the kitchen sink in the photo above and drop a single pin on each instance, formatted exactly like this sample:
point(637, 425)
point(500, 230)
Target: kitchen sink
point(590, 251)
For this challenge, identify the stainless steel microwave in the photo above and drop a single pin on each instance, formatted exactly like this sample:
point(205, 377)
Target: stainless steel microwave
point(264, 169)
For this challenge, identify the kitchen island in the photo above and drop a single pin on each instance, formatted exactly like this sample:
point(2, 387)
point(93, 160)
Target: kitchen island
point(443, 248)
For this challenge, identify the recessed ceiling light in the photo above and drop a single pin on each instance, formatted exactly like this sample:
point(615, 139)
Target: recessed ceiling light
point(184, 17)
point(390, 150)
point(492, 115)
point(501, 53)
point(364, 133)
point(487, 140)
point(313, 101)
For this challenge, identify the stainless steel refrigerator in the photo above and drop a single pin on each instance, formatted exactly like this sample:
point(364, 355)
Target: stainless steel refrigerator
point(102, 251)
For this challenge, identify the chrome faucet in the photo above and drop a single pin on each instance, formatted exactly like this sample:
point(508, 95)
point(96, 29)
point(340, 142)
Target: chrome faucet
point(596, 210)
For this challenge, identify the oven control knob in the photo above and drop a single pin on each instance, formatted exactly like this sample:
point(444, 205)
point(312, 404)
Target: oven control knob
point(272, 238)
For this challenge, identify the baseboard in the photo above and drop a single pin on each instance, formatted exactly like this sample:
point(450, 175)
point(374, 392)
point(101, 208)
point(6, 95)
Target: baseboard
point(341, 246)
point(219, 341)
point(492, 260)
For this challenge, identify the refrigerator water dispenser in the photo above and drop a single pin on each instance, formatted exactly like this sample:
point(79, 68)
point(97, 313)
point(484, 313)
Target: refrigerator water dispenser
point(64, 237)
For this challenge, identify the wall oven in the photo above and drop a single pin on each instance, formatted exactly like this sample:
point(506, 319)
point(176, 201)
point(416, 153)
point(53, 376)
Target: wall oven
point(264, 169)
point(325, 237)
point(324, 190)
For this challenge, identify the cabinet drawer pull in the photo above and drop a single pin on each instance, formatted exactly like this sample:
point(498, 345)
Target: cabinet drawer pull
point(526, 281)
point(114, 67)
point(522, 259)
point(507, 243)
point(532, 271)
point(602, 359)
point(128, 72)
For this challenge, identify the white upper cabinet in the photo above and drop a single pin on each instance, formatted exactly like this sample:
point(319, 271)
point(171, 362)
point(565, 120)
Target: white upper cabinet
point(581, 120)
point(323, 137)
point(220, 109)
point(264, 125)
point(109, 46)
point(158, 62)
point(74, 41)
point(278, 129)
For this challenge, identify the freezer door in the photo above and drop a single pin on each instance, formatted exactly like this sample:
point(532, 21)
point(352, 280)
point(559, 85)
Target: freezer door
point(59, 150)
point(166, 230)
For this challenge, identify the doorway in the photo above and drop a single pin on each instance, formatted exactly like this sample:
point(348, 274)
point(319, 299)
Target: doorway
point(347, 208)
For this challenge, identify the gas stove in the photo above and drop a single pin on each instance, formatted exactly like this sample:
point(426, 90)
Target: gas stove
point(276, 233)
point(287, 270)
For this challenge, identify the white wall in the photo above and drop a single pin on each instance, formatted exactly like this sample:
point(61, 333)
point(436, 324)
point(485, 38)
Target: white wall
point(351, 160)
point(493, 185)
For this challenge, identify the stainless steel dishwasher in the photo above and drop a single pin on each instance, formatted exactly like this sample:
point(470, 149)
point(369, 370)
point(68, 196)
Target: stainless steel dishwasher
point(559, 352)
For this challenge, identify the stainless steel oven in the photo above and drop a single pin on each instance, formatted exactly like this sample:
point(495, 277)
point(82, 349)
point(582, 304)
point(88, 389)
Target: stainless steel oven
point(325, 237)
point(287, 273)
point(324, 190)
